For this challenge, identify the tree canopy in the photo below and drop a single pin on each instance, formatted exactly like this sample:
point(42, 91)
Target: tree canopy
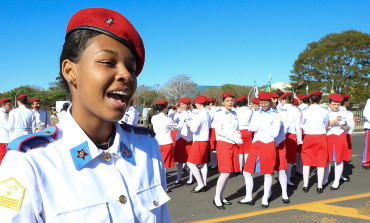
point(178, 87)
point(338, 62)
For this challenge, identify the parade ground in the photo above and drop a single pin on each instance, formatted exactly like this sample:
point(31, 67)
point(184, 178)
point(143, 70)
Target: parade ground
point(350, 203)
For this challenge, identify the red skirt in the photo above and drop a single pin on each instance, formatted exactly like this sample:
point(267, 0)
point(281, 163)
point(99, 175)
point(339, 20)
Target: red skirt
point(281, 161)
point(182, 150)
point(291, 148)
point(349, 146)
point(2, 151)
point(261, 158)
point(212, 138)
point(337, 148)
point(299, 148)
point(247, 141)
point(199, 152)
point(173, 136)
point(167, 155)
point(228, 157)
point(315, 150)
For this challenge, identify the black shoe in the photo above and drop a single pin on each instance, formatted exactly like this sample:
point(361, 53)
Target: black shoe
point(169, 190)
point(286, 201)
point(265, 205)
point(219, 207)
point(203, 189)
point(319, 190)
point(334, 188)
point(298, 174)
point(326, 184)
point(292, 185)
point(226, 202)
point(305, 189)
point(366, 167)
point(251, 203)
point(187, 183)
point(345, 179)
point(176, 183)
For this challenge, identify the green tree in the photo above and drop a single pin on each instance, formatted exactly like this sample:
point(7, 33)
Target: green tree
point(338, 62)
point(148, 98)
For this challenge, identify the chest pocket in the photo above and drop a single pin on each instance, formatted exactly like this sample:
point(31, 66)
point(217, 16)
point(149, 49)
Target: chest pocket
point(96, 213)
point(151, 200)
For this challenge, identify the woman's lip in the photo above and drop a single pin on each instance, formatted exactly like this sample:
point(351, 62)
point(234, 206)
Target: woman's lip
point(117, 104)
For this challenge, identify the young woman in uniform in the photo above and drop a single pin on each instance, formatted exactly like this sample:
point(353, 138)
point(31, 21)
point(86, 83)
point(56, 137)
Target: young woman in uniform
point(212, 133)
point(89, 168)
point(228, 138)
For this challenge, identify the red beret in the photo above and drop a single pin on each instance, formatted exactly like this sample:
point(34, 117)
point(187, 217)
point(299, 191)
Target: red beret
point(300, 96)
point(274, 95)
point(21, 96)
point(4, 100)
point(307, 96)
point(174, 106)
point(236, 100)
point(285, 94)
point(185, 100)
point(345, 96)
point(162, 103)
point(256, 101)
point(227, 94)
point(34, 100)
point(211, 99)
point(336, 97)
point(216, 101)
point(113, 24)
point(281, 92)
point(295, 101)
point(264, 96)
point(201, 99)
point(241, 98)
point(316, 93)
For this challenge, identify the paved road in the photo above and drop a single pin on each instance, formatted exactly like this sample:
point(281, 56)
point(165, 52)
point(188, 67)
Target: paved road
point(351, 203)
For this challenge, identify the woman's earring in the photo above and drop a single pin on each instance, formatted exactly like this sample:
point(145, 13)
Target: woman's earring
point(70, 81)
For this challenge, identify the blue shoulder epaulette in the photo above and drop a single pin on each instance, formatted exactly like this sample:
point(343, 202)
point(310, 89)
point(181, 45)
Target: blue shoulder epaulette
point(32, 140)
point(304, 108)
point(137, 129)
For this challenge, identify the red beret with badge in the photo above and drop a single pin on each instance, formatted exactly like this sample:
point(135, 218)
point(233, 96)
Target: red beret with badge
point(35, 100)
point(255, 101)
point(227, 94)
point(4, 100)
point(113, 24)
point(264, 96)
point(185, 100)
point(335, 97)
point(285, 94)
point(201, 99)
point(21, 96)
point(162, 103)
point(316, 93)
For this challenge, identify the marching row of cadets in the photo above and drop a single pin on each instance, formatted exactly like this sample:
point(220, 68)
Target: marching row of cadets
point(20, 121)
point(271, 136)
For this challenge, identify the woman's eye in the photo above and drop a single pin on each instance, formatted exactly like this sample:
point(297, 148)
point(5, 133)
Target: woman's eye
point(131, 70)
point(110, 63)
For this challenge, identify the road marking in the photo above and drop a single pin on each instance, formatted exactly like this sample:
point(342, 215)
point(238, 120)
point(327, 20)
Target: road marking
point(316, 206)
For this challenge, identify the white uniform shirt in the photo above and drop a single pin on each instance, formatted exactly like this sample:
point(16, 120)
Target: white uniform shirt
point(61, 114)
point(227, 127)
point(4, 131)
point(200, 124)
point(244, 117)
point(293, 122)
point(349, 119)
point(266, 125)
point(21, 122)
point(42, 119)
point(337, 128)
point(314, 120)
point(131, 117)
point(162, 126)
point(366, 114)
point(303, 106)
point(61, 186)
point(283, 127)
point(185, 132)
point(212, 113)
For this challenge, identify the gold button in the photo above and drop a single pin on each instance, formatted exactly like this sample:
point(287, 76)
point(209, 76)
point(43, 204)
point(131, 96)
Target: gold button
point(47, 132)
point(107, 157)
point(155, 203)
point(122, 199)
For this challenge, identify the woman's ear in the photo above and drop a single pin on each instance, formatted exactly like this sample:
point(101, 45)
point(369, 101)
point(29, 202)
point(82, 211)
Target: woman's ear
point(69, 72)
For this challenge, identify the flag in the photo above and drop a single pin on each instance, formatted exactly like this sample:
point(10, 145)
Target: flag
point(255, 89)
point(268, 86)
point(307, 89)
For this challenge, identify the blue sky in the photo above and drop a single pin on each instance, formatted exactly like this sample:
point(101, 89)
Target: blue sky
point(215, 42)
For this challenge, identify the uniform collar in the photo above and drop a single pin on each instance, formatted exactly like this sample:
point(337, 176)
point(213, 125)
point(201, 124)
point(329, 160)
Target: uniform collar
point(82, 149)
point(268, 111)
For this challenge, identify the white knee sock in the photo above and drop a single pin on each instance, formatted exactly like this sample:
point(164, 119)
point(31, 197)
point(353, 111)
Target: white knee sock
point(299, 166)
point(241, 161)
point(306, 174)
point(266, 189)
point(194, 171)
point(214, 153)
point(288, 173)
point(248, 186)
point(179, 171)
point(204, 171)
point(283, 183)
point(221, 184)
point(326, 173)
point(338, 170)
point(320, 176)
point(190, 179)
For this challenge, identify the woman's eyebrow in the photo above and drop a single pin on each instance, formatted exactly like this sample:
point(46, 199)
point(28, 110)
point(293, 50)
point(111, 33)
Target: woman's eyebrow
point(107, 51)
